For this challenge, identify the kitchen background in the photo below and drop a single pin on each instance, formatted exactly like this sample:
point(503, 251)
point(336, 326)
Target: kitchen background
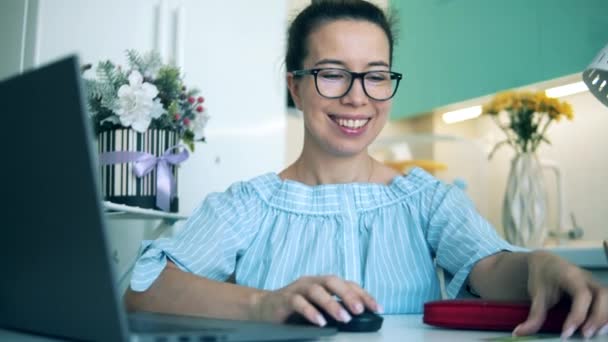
point(517, 31)
point(453, 54)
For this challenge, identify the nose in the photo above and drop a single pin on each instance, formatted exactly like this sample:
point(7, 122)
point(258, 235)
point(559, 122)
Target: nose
point(356, 95)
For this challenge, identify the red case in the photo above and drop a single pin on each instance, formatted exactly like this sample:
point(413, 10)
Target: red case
point(479, 314)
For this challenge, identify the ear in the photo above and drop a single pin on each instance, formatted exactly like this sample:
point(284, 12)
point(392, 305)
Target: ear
point(293, 85)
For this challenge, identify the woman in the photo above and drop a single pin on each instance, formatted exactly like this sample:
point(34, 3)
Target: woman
point(338, 223)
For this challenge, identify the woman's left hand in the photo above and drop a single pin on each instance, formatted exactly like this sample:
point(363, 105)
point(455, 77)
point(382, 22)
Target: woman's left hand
point(550, 278)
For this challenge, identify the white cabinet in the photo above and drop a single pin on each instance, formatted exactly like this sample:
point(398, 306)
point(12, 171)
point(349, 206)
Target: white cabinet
point(233, 52)
point(95, 30)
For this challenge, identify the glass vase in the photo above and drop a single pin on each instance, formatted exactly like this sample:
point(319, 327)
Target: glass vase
point(525, 203)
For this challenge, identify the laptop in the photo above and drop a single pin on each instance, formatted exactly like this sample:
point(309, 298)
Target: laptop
point(57, 278)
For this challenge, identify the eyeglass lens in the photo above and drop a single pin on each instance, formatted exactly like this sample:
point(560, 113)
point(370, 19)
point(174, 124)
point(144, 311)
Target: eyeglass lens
point(337, 82)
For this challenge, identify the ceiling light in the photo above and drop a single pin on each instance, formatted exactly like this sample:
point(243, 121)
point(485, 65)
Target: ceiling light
point(461, 114)
point(565, 90)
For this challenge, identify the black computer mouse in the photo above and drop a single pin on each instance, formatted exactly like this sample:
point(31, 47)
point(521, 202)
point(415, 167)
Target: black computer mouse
point(367, 321)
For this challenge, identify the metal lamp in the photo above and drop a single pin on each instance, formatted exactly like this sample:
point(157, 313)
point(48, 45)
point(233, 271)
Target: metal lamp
point(596, 76)
point(596, 79)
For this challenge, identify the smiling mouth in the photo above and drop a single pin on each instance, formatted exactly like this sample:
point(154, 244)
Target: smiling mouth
point(349, 123)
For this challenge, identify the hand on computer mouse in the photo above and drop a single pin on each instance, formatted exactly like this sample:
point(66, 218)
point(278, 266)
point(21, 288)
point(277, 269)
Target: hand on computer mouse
point(305, 293)
point(367, 321)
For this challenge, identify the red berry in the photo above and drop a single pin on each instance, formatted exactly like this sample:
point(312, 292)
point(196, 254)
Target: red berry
point(191, 99)
point(200, 99)
point(199, 109)
point(186, 121)
point(177, 116)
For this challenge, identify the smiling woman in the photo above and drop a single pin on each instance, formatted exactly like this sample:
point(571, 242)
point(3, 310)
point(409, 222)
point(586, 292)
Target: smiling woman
point(336, 222)
point(343, 64)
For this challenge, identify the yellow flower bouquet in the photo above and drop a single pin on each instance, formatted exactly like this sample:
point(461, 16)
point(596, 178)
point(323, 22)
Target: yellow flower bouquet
point(524, 117)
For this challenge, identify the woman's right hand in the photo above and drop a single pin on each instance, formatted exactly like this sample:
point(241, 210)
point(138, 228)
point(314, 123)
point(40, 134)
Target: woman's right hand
point(276, 306)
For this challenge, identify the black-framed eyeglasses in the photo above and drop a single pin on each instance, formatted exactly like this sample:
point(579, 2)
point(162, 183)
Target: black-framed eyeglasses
point(334, 83)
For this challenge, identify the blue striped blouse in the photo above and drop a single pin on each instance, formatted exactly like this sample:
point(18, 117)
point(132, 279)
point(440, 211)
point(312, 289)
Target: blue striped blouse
point(270, 231)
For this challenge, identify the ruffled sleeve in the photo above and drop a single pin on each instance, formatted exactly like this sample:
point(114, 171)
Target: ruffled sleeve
point(211, 241)
point(458, 235)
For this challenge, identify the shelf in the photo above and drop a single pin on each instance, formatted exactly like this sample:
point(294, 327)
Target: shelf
point(121, 211)
point(128, 212)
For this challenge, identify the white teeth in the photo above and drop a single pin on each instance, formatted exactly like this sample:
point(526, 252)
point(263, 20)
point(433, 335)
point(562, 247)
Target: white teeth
point(351, 123)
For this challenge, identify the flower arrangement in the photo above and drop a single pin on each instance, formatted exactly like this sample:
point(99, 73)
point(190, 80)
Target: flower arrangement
point(524, 117)
point(146, 95)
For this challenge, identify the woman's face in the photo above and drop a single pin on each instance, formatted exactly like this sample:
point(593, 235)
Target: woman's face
point(347, 125)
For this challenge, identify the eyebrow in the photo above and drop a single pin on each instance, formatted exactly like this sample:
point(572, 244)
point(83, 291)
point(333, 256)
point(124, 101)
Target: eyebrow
point(339, 62)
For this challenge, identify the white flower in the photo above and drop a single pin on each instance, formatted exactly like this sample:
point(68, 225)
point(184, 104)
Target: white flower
point(136, 104)
point(157, 109)
point(198, 124)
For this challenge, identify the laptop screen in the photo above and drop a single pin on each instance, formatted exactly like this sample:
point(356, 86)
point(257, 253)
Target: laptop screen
point(57, 277)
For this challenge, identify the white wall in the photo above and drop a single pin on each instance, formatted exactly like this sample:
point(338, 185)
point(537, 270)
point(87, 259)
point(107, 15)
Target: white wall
point(578, 147)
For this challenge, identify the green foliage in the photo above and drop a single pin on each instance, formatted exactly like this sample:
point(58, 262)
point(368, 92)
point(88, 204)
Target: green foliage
point(169, 84)
point(188, 139)
point(150, 63)
point(180, 106)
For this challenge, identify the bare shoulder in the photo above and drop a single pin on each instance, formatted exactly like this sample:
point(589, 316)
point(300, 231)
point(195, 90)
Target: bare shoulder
point(288, 173)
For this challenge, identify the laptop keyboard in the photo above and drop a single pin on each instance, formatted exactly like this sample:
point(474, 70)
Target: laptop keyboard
point(188, 339)
point(175, 328)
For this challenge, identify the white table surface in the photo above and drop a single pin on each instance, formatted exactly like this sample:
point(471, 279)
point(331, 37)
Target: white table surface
point(411, 328)
point(395, 328)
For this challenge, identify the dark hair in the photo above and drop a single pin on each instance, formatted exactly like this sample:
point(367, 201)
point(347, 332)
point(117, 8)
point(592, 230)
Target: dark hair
point(324, 11)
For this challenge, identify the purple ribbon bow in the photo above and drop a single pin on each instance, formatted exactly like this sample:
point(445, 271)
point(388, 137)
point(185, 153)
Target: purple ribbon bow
point(144, 163)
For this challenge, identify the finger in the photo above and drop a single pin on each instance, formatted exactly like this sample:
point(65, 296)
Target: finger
point(300, 305)
point(349, 295)
point(598, 316)
point(581, 302)
point(536, 317)
point(368, 300)
point(318, 295)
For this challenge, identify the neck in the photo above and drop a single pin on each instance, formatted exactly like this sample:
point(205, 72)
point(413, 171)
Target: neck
point(318, 168)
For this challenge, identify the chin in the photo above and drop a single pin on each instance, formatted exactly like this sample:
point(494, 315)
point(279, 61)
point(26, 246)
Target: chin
point(349, 150)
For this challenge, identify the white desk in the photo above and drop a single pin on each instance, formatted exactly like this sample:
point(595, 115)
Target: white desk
point(395, 328)
point(411, 328)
